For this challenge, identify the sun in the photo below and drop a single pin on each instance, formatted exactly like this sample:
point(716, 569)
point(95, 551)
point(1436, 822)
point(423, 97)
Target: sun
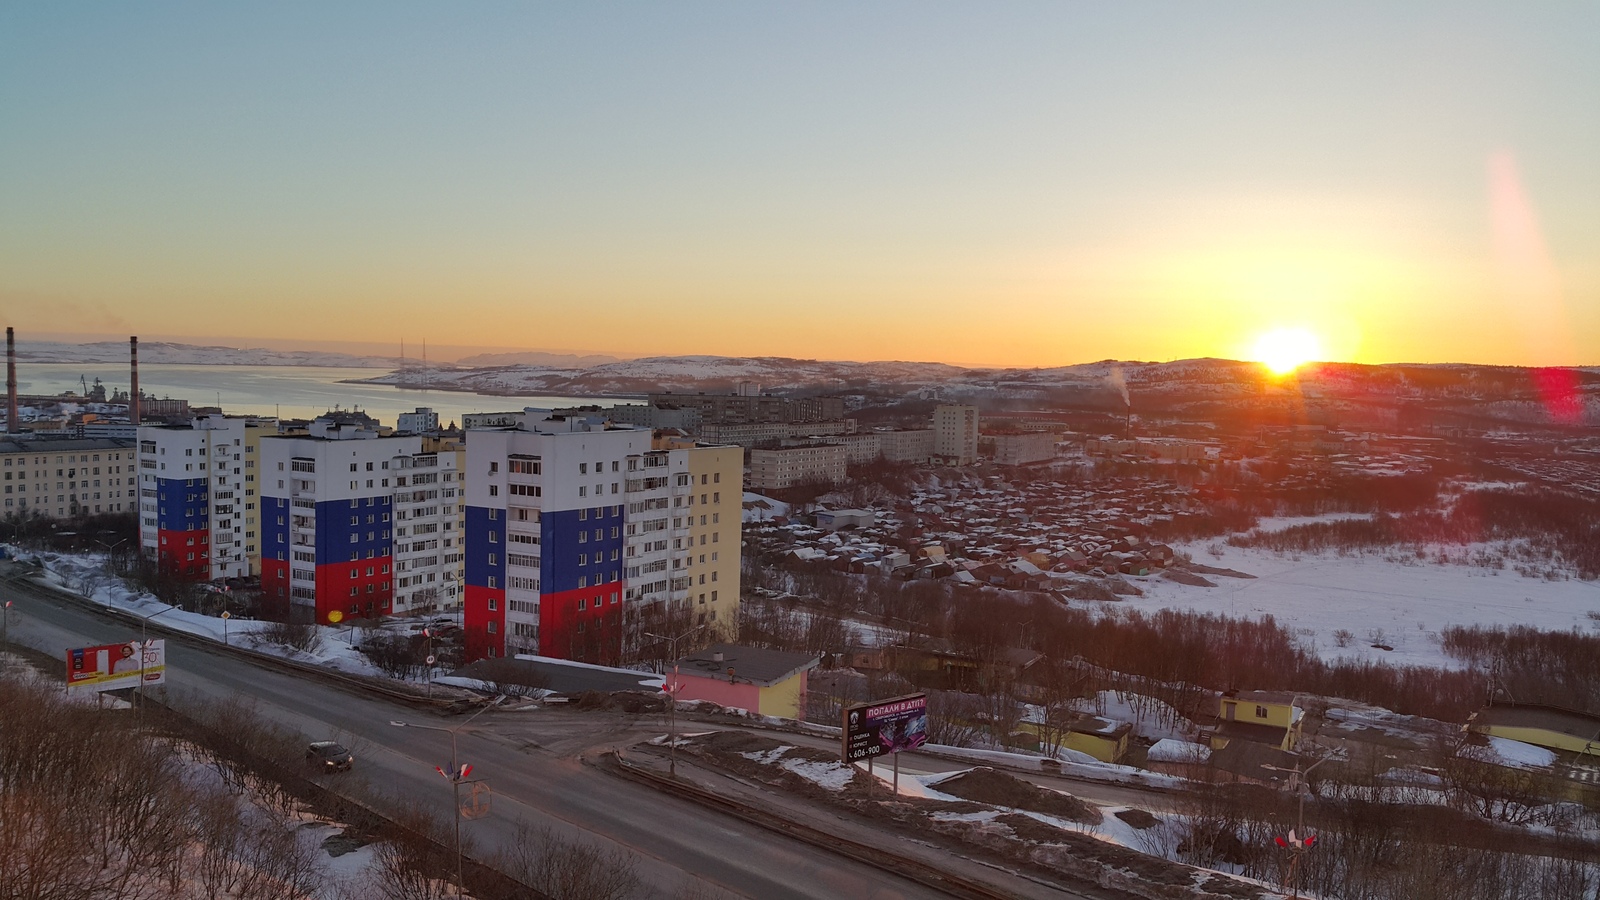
point(1283, 350)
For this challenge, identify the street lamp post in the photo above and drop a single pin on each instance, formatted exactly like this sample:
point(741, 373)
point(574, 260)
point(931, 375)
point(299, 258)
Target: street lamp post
point(110, 548)
point(454, 776)
point(1298, 786)
point(144, 644)
point(671, 691)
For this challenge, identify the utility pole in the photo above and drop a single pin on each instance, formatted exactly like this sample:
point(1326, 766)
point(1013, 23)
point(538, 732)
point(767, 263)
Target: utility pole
point(455, 776)
point(671, 690)
point(1296, 840)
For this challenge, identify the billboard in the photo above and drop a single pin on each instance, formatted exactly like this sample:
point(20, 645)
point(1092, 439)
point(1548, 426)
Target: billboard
point(112, 667)
point(888, 726)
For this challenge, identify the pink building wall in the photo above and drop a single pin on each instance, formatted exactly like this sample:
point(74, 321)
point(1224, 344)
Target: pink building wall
point(717, 690)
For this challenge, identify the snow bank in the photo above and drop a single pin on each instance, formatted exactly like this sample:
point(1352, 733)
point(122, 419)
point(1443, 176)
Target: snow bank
point(1174, 751)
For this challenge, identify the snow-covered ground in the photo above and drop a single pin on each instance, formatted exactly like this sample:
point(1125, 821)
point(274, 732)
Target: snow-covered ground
point(1378, 600)
point(72, 573)
point(758, 508)
point(1280, 523)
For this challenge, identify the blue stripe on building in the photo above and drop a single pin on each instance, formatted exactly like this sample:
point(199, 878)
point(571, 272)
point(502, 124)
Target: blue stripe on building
point(578, 546)
point(480, 546)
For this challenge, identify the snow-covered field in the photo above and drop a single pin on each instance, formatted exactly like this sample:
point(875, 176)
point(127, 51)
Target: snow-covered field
point(1402, 604)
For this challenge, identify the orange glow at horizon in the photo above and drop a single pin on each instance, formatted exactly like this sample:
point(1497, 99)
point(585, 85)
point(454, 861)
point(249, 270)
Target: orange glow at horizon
point(1283, 350)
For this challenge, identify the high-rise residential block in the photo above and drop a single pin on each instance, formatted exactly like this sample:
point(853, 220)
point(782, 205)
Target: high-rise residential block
point(955, 434)
point(358, 524)
point(199, 496)
point(580, 532)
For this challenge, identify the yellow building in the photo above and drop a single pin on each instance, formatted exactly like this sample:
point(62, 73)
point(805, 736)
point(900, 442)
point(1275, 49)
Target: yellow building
point(1104, 739)
point(716, 481)
point(1563, 730)
point(1264, 717)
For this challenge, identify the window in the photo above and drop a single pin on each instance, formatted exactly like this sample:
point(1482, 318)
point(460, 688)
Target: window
point(494, 604)
point(1261, 712)
point(493, 628)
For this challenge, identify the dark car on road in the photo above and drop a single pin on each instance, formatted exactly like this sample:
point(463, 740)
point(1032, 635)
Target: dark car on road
point(330, 756)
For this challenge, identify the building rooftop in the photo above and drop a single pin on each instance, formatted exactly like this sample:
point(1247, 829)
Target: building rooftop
point(753, 665)
point(1547, 718)
point(54, 445)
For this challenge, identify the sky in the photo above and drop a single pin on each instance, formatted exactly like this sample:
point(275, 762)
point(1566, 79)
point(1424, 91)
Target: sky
point(1024, 184)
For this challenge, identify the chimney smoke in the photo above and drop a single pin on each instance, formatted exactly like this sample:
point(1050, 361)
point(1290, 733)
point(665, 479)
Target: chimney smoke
point(133, 389)
point(11, 381)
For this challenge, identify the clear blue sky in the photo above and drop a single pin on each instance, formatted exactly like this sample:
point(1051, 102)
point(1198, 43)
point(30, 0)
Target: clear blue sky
point(1031, 184)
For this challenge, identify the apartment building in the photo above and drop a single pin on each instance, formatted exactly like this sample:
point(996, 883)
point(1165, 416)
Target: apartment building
point(198, 496)
point(66, 478)
point(955, 434)
point(578, 528)
point(781, 467)
point(913, 446)
point(344, 508)
point(1019, 448)
point(753, 434)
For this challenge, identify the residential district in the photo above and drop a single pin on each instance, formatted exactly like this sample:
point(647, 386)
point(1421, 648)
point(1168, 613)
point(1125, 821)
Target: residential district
point(603, 535)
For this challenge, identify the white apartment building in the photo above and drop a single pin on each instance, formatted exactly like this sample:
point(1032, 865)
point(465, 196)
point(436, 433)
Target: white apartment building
point(199, 496)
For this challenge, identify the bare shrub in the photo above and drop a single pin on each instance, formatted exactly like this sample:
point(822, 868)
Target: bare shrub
point(568, 869)
point(301, 636)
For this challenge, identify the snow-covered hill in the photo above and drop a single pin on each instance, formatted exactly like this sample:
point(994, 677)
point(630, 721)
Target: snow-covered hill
point(169, 353)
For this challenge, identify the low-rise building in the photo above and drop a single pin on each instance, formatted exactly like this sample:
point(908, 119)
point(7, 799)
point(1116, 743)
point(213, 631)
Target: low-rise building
point(765, 682)
point(913, 446)
point(1273, 718)
point(1556, 728)
point(63, 478)
point(835, 519)
point(1020, 448)
point(781, 467)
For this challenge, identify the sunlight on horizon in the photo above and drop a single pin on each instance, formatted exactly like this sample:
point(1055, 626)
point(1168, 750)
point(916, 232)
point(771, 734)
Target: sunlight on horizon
point(1282, 350)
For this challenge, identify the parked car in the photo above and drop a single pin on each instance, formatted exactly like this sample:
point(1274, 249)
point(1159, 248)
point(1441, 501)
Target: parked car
point(329, 756)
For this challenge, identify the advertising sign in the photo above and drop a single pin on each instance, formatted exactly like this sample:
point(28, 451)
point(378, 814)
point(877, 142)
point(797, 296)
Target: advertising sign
point(889, 726)
point(112, 667)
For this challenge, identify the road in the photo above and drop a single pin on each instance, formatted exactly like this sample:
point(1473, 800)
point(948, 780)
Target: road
point(532, 782)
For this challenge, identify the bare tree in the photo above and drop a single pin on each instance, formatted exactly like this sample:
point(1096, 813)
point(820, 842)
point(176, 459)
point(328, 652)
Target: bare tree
point(568, 869)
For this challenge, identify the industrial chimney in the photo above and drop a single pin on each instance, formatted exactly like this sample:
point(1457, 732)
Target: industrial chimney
point(133, 389)
point(11, 381)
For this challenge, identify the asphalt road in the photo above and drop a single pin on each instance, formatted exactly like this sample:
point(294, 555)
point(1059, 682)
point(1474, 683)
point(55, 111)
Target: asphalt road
point(670, 838)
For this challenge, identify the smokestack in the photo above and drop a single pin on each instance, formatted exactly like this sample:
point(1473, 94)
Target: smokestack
point(133, 389)
point(11, 380)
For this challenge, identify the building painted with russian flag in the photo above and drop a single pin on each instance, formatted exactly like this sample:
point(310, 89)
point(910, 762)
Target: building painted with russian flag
point(358, 523)
point(580, 531)
point(198, 496)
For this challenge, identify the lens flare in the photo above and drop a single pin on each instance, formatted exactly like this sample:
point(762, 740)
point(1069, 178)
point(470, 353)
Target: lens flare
point(1283, 350)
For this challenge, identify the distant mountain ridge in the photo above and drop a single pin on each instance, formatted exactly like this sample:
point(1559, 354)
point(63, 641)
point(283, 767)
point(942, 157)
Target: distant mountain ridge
point(1337, 392)
point(176, 354)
